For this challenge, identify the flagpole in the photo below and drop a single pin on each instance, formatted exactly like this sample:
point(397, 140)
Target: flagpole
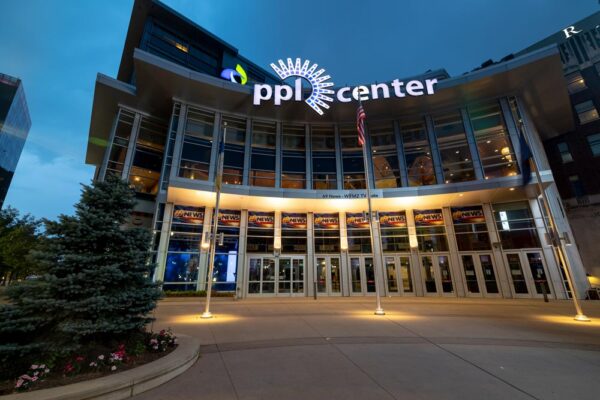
point(558, 244)
point(378, 309)
point(213, 234)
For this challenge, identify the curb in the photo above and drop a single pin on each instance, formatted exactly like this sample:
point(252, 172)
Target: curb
point(125, 384)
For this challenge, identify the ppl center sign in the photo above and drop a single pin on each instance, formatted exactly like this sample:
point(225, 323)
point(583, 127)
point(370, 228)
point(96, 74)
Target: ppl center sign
point(322, 88)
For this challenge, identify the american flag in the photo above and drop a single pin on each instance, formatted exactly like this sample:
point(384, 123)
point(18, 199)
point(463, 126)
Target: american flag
point(360, 124)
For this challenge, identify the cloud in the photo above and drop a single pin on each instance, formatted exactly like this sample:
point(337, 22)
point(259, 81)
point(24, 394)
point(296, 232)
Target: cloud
point(47, 188)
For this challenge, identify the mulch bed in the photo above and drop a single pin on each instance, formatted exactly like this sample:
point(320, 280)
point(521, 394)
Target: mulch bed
point(57, 379)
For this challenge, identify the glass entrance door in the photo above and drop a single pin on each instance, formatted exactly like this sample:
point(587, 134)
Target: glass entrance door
point(479, 275)
point(398, 275)
point(437, 277)
point(362, 275)
point(528, 273)
point(276, 276)
point(327, 273)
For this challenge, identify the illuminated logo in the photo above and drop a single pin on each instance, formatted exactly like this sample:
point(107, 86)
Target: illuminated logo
point(322, 89)
point(237, 75)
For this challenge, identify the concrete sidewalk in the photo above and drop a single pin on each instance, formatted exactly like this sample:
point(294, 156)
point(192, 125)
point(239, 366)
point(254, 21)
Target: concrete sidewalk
point(423, 348)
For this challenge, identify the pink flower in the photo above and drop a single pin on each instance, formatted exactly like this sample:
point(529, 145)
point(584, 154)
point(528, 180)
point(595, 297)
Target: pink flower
point(34, 366)
point(101, 357)
point(20, 383)
point(43, 366)
point(35, 378)
point(79, 358)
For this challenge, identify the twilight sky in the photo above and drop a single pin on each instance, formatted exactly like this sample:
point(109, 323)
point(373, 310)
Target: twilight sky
point(57, 47)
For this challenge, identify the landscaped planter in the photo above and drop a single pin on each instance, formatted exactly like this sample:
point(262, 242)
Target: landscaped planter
point(124, 384)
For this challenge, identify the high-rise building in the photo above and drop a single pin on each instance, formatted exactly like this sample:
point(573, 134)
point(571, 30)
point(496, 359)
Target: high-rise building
point(444, 160)
point(14, 127)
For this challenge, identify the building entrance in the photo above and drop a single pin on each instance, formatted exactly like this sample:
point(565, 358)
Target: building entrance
point(437, 277)
point(527, 271)
point(398, 274)
point(283, 276)
point(327, 275)
point(362, 275)
point(479, 275)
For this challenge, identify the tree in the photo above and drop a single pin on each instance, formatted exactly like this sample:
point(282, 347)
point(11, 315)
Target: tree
point(19, 236)
point(97, 286)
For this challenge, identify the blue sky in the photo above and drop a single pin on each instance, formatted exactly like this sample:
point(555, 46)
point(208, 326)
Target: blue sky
point(57, 47)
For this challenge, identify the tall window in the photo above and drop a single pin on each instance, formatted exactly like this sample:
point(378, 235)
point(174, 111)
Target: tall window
point(394, 231)
point(170, 147)
point(586, 112)
point(516, 225)
point(565, 153)
point(226, 254)
point(235, 142)
point(386, 167)
point(417, 154)
point(262, 161)
point(323, 157)
point(353, 167)
point(431, 232)
point(293, 233)
point(181, 269)
point(197, 144)
point(327, 233)
point(575, 82)
point(454, 149)
point(493, 142)
point(144, 174)
point(359, 237)
point(576, 186)
point(261, 232)
point(594, 142)
point(293, 157)
point(118, 151)
point(470, 228)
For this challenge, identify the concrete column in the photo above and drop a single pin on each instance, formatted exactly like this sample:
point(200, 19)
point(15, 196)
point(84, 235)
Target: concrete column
point(435, 152)
point(345, 283)
point(502, 272)
point(415, 262)
point(131, 146)
point(309, 274)
point(477, 166)
point(242, 258)
point(212, 169)
point(178, 142)
point(277, 231)
point(455, 262)
point(400, 153)
point(204, 252)
point(163, 244)
point(247, 153)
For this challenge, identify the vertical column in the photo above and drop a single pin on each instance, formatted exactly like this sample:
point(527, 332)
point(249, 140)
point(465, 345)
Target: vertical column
point(455, 262)
point(204, 248)
point(415, 263)
point(277, 232)
point(552, 268)
point(435, 153)
point(242, 258)
point(278, 156)
point(479, 173)
point(344, 267)
point(163, 244)
point(511, 126)
point(502, 273)
point(400, 153)
point(308, 146)
point(131, 146)
point(338, 158)
point(378, 256)
point(212, 169)
point(310, 256)
point(102, 172)
point(247, 153)
point(178, 142)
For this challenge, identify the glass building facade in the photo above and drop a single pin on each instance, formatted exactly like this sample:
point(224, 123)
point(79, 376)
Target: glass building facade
point(14, 127)
point(451, 217)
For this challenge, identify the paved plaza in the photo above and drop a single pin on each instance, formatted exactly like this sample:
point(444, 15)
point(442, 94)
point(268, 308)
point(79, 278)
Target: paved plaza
point(423, 348)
